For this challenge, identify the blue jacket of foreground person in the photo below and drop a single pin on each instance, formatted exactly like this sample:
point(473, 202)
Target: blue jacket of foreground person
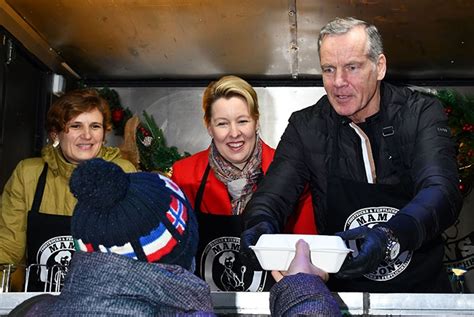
point(110, 285)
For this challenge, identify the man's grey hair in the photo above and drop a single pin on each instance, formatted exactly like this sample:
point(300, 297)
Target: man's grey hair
point(344, 25)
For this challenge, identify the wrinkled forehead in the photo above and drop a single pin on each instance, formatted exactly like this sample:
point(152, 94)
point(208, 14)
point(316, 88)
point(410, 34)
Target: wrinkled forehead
point(353, 41)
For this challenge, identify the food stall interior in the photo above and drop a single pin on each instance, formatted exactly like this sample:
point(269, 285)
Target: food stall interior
point(158, 55)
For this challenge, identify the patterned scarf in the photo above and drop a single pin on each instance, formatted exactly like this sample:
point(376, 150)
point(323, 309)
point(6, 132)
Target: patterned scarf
point(240, 183)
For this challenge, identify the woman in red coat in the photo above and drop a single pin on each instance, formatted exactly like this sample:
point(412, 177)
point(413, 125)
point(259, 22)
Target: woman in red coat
point(220, 180)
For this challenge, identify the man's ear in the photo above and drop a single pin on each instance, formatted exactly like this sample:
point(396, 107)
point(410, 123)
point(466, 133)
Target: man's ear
point(381, 67)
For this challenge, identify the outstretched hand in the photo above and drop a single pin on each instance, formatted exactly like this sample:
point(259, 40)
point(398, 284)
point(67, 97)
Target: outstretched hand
point(301, 263)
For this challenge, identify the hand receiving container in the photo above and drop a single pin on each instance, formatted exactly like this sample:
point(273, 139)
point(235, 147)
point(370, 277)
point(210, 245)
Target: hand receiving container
point(276, 251)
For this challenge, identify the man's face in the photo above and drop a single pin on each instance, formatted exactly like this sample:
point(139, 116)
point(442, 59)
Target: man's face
point(350, 78)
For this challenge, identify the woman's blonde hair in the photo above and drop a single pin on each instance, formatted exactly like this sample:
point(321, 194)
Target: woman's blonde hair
point(228, 87)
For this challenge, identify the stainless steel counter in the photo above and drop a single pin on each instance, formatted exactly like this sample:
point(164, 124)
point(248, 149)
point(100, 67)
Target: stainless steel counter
point(355, 304)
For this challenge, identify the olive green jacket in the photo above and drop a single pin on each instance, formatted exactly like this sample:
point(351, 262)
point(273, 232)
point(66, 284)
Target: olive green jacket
point(19, 191)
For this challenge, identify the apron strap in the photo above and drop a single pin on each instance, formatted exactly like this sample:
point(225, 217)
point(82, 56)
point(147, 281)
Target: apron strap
point(200, 193)
point(334, 160)
point(321, 219)
point(39, 190)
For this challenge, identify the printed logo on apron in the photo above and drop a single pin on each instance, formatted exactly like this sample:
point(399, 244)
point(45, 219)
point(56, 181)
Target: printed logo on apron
point(371, 216)
point(222, 270)
point(55, 255)
point(459, 247)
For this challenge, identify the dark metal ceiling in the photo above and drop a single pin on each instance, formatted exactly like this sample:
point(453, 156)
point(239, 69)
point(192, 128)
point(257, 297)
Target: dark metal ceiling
point(260, 39)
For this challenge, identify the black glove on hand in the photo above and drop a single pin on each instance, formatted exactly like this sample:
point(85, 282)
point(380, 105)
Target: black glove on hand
point(250, 237)
point(371, 251)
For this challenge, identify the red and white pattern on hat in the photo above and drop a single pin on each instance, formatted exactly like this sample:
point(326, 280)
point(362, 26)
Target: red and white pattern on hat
point(171, 185)
point(126, 249)
point(177, 214)
point(159, 242)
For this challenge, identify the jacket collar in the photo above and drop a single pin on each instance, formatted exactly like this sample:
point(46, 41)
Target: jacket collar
point(59, 166)
point(391, 101)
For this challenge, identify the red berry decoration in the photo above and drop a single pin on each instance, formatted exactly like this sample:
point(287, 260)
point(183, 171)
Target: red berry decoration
point(117, 115)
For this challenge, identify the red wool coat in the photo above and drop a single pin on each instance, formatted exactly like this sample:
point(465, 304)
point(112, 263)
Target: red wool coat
point(188, 172)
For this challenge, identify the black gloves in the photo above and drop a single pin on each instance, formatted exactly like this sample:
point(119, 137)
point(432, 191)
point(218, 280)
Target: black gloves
point(372, 251)
point(250, 237)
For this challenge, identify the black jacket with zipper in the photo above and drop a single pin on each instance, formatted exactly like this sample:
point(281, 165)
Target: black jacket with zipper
point(420, 153)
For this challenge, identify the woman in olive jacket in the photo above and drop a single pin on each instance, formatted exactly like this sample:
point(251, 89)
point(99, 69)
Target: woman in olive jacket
point(36, 204)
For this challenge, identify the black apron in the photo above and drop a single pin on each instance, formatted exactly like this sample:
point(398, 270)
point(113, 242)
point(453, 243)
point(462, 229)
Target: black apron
point(49, 243)
point(218, 261)
point(351, 204)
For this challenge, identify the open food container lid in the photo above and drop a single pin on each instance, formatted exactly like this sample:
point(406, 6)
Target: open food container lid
point(276, 251)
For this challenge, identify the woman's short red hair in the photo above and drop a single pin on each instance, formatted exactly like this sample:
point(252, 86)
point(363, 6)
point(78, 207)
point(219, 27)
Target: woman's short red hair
point(72, 104)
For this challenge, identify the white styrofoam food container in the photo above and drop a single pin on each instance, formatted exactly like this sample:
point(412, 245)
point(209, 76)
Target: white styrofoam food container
point(276, 251)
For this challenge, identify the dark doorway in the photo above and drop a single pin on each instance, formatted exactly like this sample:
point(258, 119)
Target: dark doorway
point(24, 98)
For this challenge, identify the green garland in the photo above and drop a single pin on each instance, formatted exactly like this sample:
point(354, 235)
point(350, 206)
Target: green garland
point(460, 112)
point(120, 115)
point(154, 153)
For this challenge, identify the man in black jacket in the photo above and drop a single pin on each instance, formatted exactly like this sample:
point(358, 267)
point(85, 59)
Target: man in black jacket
point(380, 164)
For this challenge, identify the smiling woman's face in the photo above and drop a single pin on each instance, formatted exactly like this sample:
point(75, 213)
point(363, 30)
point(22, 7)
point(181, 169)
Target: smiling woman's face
point(83, 137)
point(233, 130)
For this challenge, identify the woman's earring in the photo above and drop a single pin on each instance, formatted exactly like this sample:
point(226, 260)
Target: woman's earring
point(56, 143)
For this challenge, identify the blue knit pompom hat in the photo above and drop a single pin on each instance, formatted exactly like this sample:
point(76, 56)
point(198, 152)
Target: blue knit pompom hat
point(144, 216)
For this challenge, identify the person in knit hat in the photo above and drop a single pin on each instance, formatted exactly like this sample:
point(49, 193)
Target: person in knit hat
point(143, 216)
point(136, 237)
